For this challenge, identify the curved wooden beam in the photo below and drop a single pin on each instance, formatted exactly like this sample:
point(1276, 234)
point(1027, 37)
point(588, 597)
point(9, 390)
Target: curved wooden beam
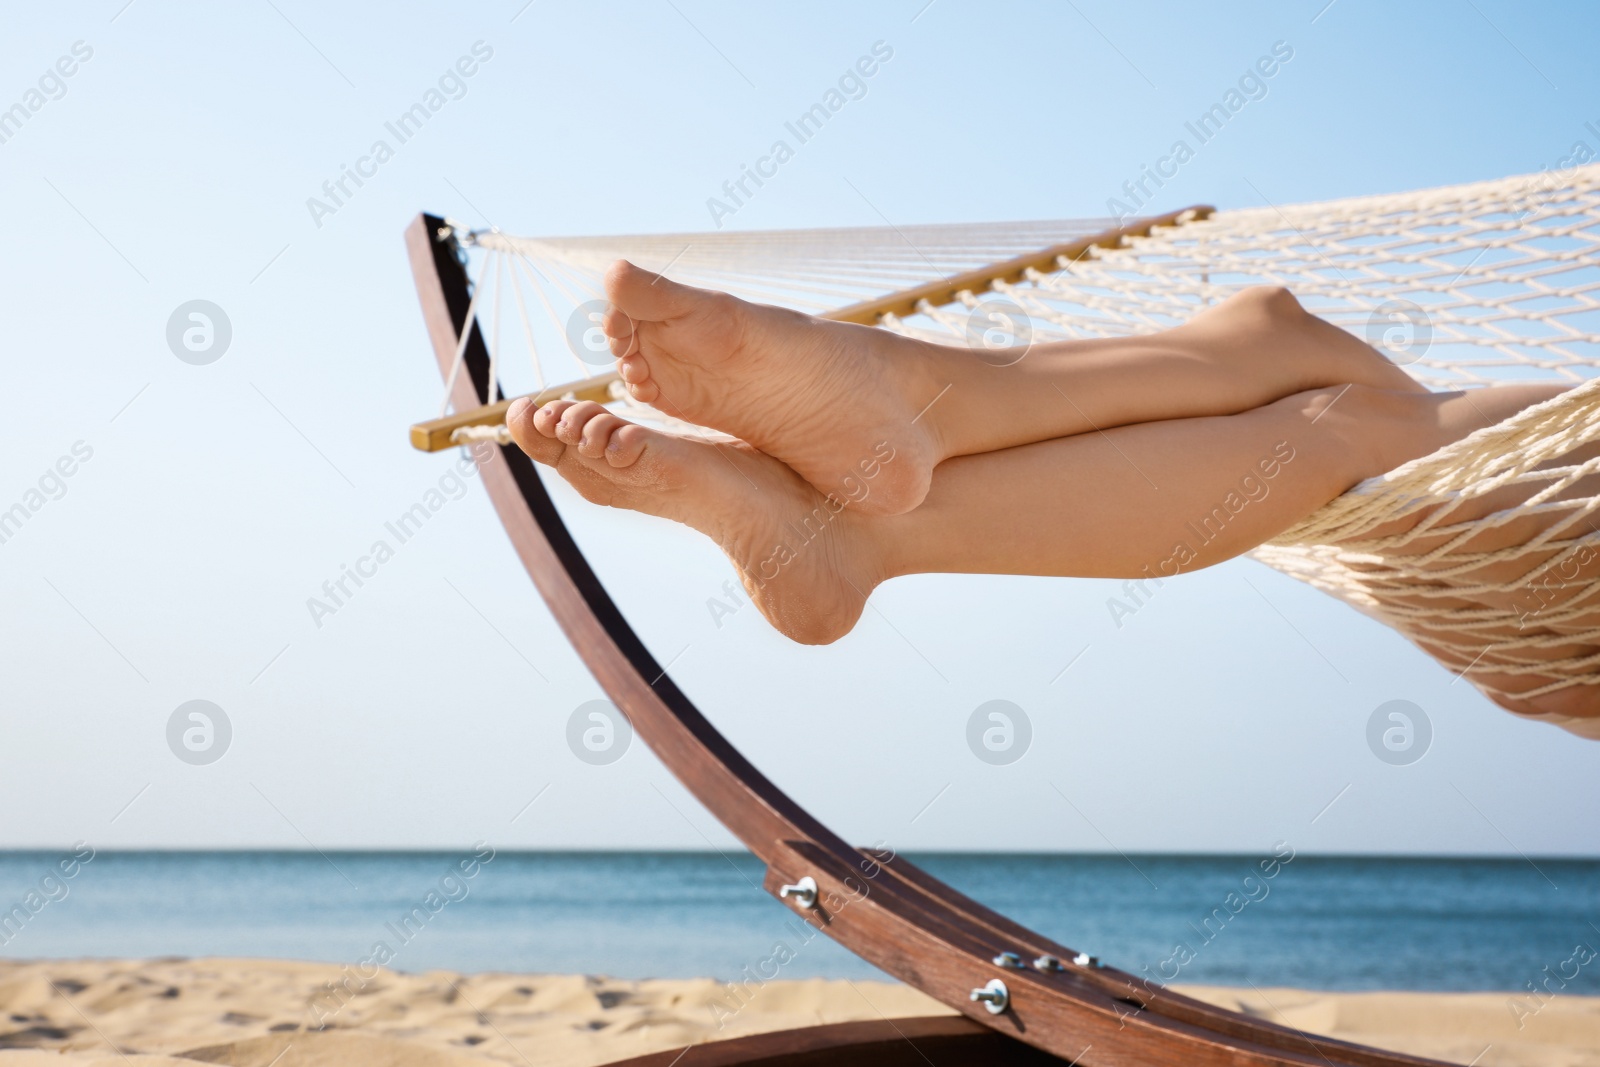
point(885, 910)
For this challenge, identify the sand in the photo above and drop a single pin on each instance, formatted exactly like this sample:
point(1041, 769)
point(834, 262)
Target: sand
point(263, 1013)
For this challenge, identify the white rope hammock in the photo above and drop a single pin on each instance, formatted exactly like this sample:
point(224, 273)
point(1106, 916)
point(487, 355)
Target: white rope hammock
point(1542, 633)
point(1466, 285)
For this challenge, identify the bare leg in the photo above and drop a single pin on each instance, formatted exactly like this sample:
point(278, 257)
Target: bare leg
point(823, 396)
point(1146, 501)
point(1162, 511)
point(1112, 503)
point(1123, 503)
point(1256, 347)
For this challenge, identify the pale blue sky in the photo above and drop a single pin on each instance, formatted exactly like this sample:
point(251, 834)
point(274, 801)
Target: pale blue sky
point(433, 707)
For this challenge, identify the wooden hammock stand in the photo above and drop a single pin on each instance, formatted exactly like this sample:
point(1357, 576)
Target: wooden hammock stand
point(1041, 1001)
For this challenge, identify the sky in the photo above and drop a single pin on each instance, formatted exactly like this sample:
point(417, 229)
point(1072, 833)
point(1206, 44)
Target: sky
point(210, 498)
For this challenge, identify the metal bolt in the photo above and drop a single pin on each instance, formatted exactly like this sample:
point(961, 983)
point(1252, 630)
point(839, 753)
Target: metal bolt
point(1083, 959)
point(995, 997)
point(1048, 963)
point(804, 892)
point(1010, 960)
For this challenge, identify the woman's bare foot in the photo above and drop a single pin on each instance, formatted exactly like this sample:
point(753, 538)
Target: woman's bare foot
point(802, 558)
point(838, 403)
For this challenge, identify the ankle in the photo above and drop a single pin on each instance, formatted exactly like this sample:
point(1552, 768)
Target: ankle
point(869, 542)
point(943, 383)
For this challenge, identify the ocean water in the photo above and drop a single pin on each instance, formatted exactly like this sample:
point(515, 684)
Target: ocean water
point(1318, 922)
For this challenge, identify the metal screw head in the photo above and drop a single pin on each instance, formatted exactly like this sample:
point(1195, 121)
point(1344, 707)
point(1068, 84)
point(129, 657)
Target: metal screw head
point(995, 997)
point(1009, 959)
point(803, 892)
point(1083, 959)
point(1048, 963)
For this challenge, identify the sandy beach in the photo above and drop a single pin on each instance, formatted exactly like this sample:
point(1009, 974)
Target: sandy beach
point(252, 1013)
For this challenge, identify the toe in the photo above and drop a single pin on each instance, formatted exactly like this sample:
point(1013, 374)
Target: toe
point(634, 370)
point(520, 420)
point(627, 444)
point(645, 392)
point(619, 329)
point(520, 411)
point(548, 417)
point(570, 426)
point(596, 434)
point(643, 294)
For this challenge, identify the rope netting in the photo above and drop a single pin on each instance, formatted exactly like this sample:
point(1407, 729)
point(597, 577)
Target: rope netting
point(1472, 284)
point(1486, 553)
point(810, 270)
point(1463, 286)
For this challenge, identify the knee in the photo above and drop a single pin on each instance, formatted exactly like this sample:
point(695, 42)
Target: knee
point(1268, 309)
point(1271, 302)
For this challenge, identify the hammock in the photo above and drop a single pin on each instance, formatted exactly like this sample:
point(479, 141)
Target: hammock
point(1465, 286)
point(1015, 987)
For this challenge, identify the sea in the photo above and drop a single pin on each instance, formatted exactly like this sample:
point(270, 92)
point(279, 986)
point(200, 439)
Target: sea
point(1336, 923)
